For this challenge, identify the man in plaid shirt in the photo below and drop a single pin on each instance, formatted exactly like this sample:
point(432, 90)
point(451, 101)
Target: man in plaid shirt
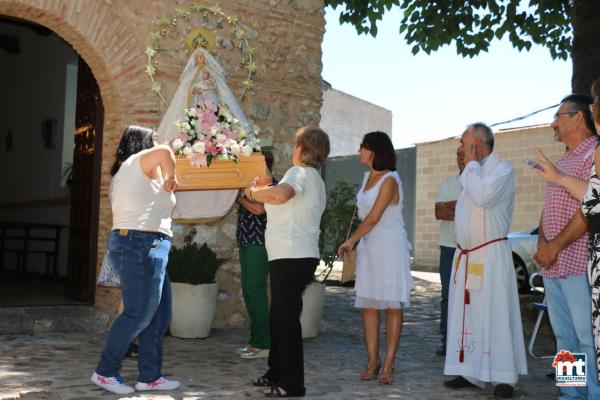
point(563, 242)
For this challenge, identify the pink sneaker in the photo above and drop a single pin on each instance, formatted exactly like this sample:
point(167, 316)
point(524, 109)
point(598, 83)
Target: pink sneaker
point(160, 384)
point(113, 384)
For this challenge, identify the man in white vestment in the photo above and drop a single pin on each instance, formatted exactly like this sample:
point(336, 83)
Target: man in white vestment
point(485, 335)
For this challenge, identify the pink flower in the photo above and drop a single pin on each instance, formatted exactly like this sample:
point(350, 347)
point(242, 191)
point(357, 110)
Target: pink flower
point(214, 150)
point(198, 160)
point(229, 134)
point(184, 138)
point(209, 117)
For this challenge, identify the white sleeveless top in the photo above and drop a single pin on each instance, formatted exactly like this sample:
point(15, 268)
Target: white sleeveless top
point(383, 278)
point(138, 202)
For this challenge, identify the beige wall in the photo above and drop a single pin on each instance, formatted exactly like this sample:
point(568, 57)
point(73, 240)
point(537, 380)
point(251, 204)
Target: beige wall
point(437, 160)
point(346, 119)
point(111, 36)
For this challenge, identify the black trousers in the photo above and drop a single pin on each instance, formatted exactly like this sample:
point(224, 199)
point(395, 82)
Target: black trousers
point(289, 277)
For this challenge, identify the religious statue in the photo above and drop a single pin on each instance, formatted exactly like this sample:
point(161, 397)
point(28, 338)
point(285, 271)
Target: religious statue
point(202, 79)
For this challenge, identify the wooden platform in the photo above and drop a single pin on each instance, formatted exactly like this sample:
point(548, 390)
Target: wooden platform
point(220, 174)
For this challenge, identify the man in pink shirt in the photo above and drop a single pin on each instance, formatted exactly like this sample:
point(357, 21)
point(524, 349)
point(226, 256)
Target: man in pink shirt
point(563, 241)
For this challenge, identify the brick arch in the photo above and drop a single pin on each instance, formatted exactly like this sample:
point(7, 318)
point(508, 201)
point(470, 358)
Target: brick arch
point(105, 41)
point(111, 47)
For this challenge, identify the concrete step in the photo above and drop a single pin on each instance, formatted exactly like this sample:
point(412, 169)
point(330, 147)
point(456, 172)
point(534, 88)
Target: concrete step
point(56, 319)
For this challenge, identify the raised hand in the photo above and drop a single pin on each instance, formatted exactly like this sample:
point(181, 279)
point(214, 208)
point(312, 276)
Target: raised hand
point(549, 172)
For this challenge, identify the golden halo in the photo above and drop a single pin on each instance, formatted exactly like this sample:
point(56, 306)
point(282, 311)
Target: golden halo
point(200, 37)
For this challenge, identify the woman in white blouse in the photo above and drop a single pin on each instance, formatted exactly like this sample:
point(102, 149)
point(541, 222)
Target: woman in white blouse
point(294, 208)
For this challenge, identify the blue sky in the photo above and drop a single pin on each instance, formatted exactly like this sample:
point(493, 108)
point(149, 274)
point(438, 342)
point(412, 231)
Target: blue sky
point(434, 96)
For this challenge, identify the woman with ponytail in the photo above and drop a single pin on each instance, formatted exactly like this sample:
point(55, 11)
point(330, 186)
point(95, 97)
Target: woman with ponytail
point(141, 197)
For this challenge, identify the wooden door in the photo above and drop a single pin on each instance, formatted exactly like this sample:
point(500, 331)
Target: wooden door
point(85, 189)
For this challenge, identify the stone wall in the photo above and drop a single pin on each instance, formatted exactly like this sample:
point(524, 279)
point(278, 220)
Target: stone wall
point(111, 36)
point(437, 160)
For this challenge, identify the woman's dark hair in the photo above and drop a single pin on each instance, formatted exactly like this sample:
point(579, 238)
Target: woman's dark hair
point(135, 139)
point(268, 159)
point(384, 155)
point(596, 94)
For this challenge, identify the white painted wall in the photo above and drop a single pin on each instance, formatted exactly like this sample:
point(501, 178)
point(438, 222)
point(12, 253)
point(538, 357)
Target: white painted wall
point(346, 119)
point(33, 87)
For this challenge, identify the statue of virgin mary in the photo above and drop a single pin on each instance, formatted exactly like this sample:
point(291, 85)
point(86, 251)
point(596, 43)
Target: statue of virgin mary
point(202, 78)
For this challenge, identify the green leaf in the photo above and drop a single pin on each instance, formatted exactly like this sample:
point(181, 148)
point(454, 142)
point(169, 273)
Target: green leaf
point(193, 264)
point(430, 24)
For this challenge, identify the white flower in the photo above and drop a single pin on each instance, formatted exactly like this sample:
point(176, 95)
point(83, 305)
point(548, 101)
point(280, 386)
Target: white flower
point(191, 112)
point(228, 116)
point(199, 147)
point(255, 129)
point(243, 133)
point(187, 150)
point(220, 137)
point(235, 149)
point(214, 130)
point(247, 150)
point(176, 145)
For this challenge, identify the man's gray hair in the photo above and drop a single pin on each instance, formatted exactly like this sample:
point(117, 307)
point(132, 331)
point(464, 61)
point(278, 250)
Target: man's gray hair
point(484, 133)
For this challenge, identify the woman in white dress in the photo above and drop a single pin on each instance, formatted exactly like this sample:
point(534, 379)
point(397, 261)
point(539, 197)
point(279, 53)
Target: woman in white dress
point(383, 280)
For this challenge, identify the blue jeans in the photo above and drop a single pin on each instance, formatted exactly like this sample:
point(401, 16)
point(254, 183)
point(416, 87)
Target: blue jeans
point(446, 258)
point(570, 311)
point(141, 258)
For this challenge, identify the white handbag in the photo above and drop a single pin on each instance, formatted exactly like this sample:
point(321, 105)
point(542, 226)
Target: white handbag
point(108, 276)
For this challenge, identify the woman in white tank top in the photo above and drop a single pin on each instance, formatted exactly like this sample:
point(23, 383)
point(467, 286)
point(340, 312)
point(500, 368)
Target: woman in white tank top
point(142, 199)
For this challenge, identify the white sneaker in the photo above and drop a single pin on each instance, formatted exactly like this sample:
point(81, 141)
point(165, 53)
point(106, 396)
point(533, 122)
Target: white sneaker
point(111, 383)
point(255, 353)
point(160, 384)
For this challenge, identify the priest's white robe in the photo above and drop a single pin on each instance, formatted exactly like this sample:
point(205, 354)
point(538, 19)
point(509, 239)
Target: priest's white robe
point(494, 349)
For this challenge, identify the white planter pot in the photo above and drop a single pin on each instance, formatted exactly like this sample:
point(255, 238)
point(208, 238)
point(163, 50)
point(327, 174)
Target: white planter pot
point(313, 300)
point(193, 309)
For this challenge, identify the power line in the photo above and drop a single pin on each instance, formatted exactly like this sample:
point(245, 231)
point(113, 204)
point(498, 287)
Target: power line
point(524, 116)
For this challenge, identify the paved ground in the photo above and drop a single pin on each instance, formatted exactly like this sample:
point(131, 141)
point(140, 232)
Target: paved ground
point(58, 366)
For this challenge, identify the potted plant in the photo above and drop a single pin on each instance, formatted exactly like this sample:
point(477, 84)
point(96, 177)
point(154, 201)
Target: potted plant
point(334, 229)
point(192, 270)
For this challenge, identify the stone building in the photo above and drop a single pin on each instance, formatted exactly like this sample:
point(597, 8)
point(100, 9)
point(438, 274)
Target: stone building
point(347, 118)
point(437, 160)
point(101, 83)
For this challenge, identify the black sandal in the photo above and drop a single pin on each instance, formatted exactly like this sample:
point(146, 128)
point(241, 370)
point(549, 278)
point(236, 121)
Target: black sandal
point(263, 381)
point(276, 391)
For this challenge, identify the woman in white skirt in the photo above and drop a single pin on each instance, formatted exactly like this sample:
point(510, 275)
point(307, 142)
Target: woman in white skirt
point(383, 280)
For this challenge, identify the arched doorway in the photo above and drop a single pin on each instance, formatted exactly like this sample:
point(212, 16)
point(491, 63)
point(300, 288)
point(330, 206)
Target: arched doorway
point(51, 143)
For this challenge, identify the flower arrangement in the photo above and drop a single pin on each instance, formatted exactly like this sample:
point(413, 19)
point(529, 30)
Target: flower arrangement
point(210, 131)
